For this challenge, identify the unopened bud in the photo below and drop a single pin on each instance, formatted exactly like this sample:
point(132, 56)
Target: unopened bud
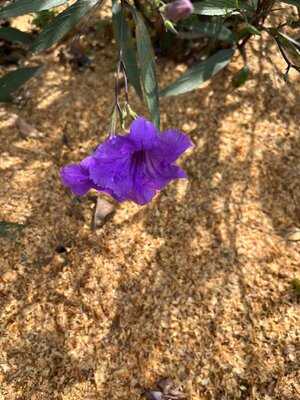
point(178, 9)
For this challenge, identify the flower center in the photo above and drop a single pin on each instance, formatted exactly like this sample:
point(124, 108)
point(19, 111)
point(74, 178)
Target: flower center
point(138, 157)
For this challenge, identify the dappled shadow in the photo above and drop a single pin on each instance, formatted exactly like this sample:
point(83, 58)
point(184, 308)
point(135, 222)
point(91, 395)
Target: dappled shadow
point(280, 184)
point(50, 369)
point(184, 287)
point(200, 279)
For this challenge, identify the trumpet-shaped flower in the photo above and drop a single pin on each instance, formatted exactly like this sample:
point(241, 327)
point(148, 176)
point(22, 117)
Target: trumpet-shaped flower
point(130, 167)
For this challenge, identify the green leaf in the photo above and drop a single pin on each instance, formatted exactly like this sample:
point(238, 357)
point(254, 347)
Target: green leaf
point(14, 80)
point(15, 35)
point(125, 42)
point(246, 30)
point(43, 18)
point(295, 3)
point(62, 24)
point(253, 30)
point(253, 4)
point(9, 228)
point(290, 46)
point(219, 7)
point(213, 30)
point(241, 77)
point(21, 7)
point(147, 67)
point(214, 7)
point(199, 73)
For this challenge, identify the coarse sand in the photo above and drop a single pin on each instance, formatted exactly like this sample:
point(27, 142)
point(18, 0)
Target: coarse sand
point(196, 285)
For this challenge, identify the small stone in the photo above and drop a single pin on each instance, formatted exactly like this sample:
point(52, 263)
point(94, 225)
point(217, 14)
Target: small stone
point(293, 235)
point(205, 381)
point(189, 126)
point(9, 276)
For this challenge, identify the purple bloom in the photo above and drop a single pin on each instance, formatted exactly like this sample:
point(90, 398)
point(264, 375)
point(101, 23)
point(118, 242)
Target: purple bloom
point(178, 9)
point(130, 167)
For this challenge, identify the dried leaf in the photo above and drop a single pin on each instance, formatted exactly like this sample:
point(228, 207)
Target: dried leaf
point(165, 384)
point(103, 211)
point(166, 390)
point(28, 131)
point(170, 390)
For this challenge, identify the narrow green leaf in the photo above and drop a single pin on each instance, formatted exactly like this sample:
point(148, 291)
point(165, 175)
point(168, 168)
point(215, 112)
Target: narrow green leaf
point(15, 35)
point(147, 67)
point(62, 24)
point(219, 7)
point(290, 46)
point(125, 42)
point(199, 73)
point(21, 7)
point(285, 39)
point(295, 3)
point(214, 7)
point(252, 29)
point(241, 77)
point(247, 30)
point(213, 30)
point(253, 4)
point(14, 80)
point(43, 18)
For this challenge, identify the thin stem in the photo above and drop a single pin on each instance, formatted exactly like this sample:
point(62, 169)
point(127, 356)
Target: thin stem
point(125, 81)
point(286, 59)
point(120, 70)
point(243, 53)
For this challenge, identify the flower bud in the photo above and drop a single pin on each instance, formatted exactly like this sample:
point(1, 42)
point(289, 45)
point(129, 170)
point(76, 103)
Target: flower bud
point(178, 9)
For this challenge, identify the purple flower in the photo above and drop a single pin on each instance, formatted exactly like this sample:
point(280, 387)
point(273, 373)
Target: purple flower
point(178, 9)
point(130, 167)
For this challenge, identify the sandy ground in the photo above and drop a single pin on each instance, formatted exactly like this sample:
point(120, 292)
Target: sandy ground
point(195, 286)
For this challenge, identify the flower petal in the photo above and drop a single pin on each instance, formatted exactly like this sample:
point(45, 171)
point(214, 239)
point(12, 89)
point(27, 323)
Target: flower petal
point(161, 173)
point(76, 177)
point(142, 190)
point(130, 167)
point(114, 148)
point(110, 168)
point(142, 194)
point(143, 133)
point(172, 144)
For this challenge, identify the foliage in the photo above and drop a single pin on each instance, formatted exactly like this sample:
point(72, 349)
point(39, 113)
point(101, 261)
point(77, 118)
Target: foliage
point(13, 80)
point(43, 18)
point(213, 33)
